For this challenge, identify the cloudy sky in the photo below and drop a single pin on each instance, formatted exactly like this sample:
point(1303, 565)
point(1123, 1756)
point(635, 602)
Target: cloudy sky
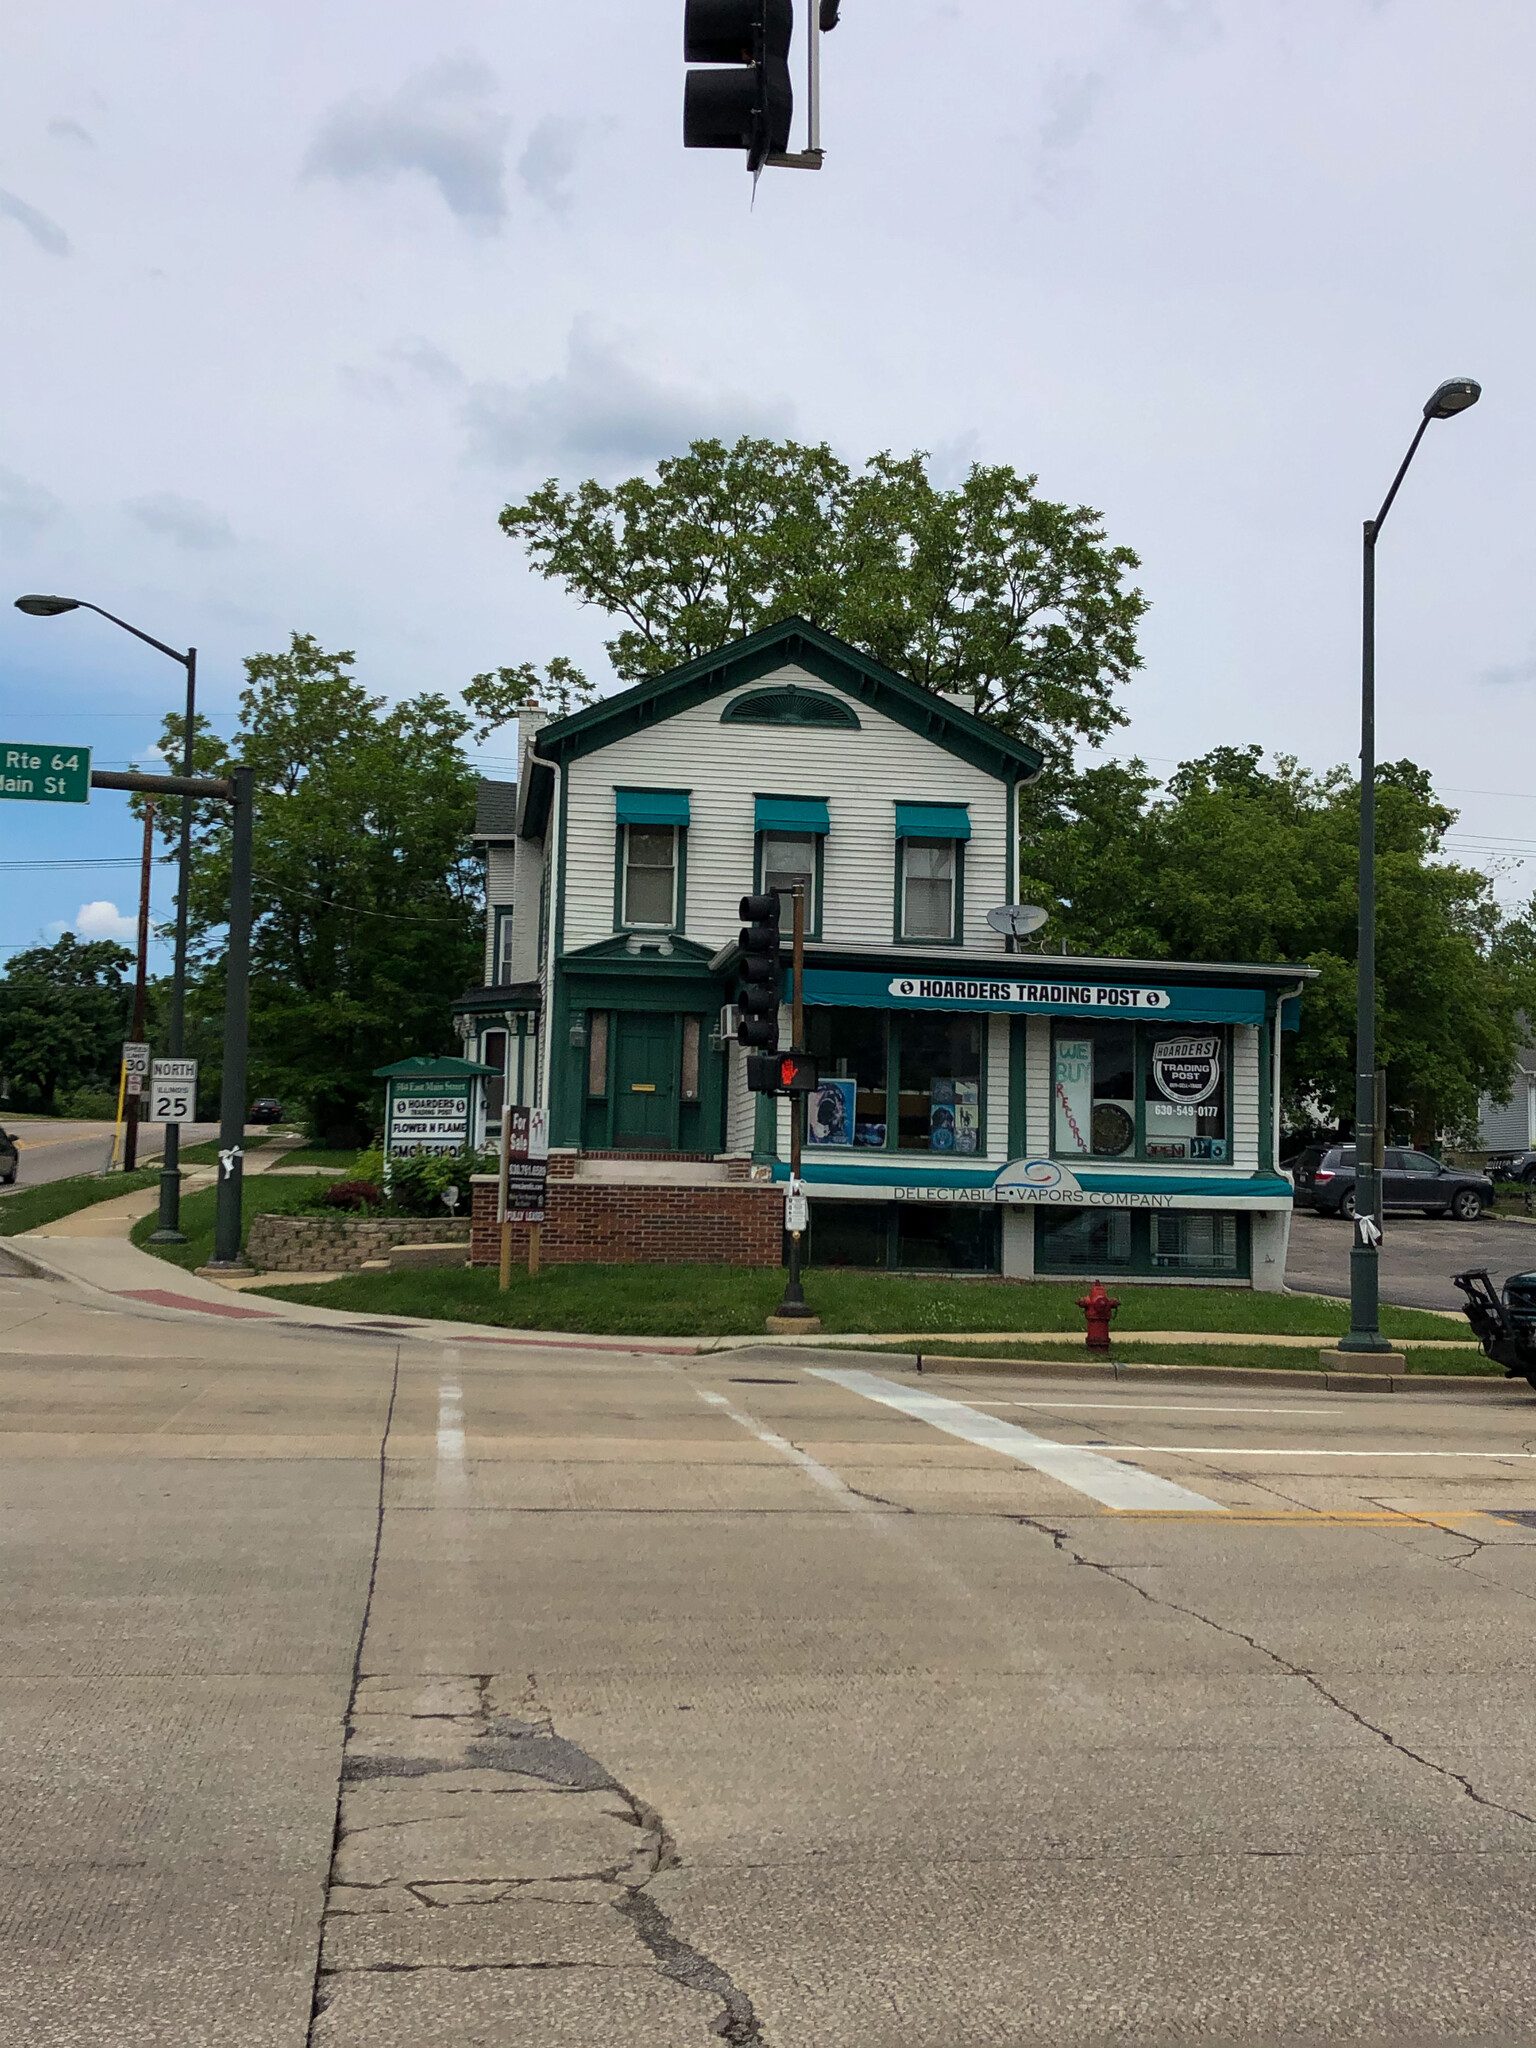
point(300, 295)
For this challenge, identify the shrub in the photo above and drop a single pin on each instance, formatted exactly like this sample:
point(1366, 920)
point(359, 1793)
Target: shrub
point(416, 1183)
point(353, 1194)
point(89, 1105)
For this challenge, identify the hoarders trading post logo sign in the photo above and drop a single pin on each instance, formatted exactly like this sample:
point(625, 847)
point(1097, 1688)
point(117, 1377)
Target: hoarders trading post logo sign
point(1186, 1115)
point(428, 1117)
point(1047, 995)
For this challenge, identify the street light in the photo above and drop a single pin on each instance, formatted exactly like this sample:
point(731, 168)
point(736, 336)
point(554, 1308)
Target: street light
point(37, 607)
point(1448, 399)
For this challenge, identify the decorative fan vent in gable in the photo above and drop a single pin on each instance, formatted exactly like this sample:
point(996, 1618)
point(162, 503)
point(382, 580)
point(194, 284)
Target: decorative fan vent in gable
point(790, 706)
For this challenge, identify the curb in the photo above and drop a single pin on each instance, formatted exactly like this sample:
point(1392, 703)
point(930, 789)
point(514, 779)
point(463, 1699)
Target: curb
point(1225, 1375)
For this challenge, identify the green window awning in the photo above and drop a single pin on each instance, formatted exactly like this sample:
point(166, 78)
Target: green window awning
point(652, 806)
point(792, 814)
point(932, 821)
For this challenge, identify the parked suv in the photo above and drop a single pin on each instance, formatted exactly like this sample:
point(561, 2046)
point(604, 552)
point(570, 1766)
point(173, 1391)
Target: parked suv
point(1325, 1181)
point(1512, 1166)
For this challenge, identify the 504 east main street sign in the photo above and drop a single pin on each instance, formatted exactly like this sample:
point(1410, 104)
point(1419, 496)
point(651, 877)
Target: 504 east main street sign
point(45, 775)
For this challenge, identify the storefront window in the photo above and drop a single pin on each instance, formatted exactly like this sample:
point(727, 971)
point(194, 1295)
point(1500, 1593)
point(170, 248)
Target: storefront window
point(1140, 1091)
point(939, 1099)
point(1191, 1242)
point(790, 857)
point(1073, 1240)
point(1094, 1092)
point(1186, 1241)
point(928, 888)
point(1186, 1102)
point(851, 1052)
point(650, 874)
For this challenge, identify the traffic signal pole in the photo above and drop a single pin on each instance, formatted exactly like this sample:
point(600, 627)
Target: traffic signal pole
point(794, 1302)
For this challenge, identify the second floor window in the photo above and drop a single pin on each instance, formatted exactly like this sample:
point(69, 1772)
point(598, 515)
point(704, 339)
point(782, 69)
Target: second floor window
point(928, 868)
point(790, 857)
point(650, 875)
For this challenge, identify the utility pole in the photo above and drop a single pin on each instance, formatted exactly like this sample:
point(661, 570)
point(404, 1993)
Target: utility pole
point(136, 1100)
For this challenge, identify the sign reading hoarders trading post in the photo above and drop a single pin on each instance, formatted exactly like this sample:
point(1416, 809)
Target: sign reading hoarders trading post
point(427, 1116)
point(173, 1091)
point(45, 775)
point(1186, 1107)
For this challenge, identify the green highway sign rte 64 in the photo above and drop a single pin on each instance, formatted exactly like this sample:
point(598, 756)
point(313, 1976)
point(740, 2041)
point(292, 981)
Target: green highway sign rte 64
point(45, 775)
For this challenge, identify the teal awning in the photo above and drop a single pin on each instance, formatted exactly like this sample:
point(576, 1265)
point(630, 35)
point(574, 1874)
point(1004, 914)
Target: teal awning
point(932, 821)
point(652, 806)
point(792, 814)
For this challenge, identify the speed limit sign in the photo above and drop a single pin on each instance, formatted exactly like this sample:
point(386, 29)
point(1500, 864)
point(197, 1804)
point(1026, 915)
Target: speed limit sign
point(173, 1092)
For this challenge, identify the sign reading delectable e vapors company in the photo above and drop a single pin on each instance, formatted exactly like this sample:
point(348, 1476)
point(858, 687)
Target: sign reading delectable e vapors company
point(428, 1116)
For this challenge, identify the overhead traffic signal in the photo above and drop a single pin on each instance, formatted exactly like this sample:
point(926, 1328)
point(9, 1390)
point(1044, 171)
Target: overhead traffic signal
point(761, 972)
point(745, 100)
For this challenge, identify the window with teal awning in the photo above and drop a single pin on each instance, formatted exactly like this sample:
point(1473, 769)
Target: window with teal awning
point(651, 806)
point(792, 814)
point(932, 821)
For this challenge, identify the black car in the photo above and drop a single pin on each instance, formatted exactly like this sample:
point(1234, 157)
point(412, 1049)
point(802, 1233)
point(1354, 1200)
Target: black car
point(10, 1158)
point(1325, 1181)
point(265, 1110)
point(1512, 1166)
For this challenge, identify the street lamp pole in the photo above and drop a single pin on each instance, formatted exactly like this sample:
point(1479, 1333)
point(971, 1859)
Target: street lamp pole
point(169, 1229)
point(1450, 398)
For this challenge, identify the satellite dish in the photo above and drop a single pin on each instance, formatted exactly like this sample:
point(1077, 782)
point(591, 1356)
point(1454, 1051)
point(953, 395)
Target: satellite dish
point(1017, 920)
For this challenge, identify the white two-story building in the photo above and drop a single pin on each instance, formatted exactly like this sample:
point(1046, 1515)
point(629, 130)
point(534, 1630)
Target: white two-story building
point(982, 1108)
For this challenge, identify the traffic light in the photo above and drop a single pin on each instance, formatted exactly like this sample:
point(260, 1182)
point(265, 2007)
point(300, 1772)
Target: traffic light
point(781, 1073)
point(761, 973)
point(748, 105)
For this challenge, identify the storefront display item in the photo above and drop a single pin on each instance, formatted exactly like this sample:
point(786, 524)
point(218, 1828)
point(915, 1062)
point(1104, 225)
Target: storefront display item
point(829, 1116)
point(1074, 1094)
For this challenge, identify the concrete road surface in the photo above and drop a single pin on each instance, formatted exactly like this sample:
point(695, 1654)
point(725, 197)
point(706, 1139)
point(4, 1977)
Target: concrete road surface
point(53, 1148)
point(1418, 1255)
point(362, 1689)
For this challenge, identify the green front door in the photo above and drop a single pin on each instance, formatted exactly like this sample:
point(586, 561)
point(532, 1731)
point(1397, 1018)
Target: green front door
point(645, 1081)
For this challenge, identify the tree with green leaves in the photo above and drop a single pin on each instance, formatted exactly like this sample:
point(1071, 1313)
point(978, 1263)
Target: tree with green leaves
point(985, 589)
point(1230, 861)
point(367, 899)
point(64, 1013)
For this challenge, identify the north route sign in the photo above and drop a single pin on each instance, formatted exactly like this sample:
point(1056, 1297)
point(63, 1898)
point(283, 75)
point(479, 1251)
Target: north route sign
point(45, 775)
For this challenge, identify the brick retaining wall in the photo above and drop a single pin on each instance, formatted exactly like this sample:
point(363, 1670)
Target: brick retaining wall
point(716, 1223)
point(339, 1244)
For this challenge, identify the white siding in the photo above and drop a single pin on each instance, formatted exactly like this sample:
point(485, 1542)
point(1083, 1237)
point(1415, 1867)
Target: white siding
point(861, 774)
point(741, 1107)
point(525, 898)
point(1245, 1097)
point(997, 1089)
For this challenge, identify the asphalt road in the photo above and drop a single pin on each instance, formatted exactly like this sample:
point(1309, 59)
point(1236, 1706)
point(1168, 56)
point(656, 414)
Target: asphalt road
point(1418, 1255)
point(53, 1149)
point(577, 1696)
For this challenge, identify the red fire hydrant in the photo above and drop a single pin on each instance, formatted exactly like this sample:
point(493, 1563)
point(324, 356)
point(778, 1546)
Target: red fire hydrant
point(1097, 1308)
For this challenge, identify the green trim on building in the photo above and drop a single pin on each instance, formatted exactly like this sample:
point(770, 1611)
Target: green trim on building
point(829, 659)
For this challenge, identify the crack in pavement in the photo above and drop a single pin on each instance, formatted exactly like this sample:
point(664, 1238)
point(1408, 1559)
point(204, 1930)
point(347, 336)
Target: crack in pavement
point(1063, 1543)
point(531, 1748)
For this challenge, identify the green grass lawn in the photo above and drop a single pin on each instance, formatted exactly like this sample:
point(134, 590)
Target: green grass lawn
point(1277, 1357)
point(261, 1194)
point(207, 1154)
point(715, 1301)
point(29, 1207)
point(316, 1155)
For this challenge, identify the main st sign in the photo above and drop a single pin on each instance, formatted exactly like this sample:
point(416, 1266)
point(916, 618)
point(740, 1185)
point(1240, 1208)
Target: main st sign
point(45, 775)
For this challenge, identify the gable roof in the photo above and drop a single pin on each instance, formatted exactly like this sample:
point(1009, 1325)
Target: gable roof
point(495, 810)
point(823, 655)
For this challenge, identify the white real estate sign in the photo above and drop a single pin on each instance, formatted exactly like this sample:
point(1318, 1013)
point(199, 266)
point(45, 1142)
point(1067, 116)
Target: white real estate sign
point(173, 1091)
